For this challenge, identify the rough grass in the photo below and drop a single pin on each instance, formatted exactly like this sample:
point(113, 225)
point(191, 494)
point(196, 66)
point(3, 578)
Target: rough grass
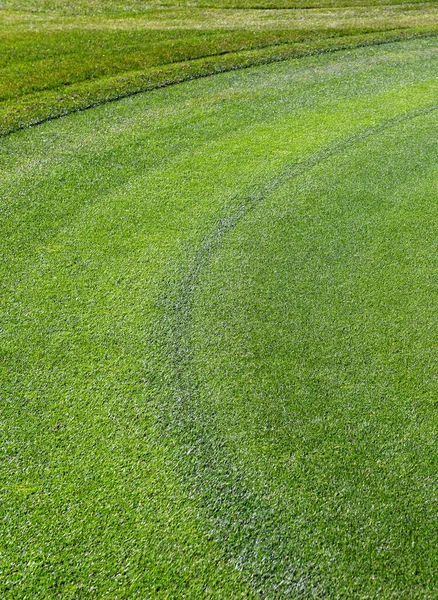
point(59, 57)
point(218, 330)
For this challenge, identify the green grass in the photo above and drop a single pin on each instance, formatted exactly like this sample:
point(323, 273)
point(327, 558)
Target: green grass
point(218, 332)
point(59, 57)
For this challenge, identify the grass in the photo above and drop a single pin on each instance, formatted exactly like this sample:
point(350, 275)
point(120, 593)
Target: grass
point(60, 57)
point(218, 332)
point(323, 384)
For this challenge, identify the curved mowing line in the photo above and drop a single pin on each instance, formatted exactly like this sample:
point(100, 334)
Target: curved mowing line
point(211, 70)
point(238, 517)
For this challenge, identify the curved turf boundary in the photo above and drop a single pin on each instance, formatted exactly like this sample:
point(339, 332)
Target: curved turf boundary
point(105, 217)
point(58, 58)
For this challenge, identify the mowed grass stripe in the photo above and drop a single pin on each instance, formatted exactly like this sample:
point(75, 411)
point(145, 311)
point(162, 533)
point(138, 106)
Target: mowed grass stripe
point(104, 214)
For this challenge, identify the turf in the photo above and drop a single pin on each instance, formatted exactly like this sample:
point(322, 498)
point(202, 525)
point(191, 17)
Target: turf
point(59, 57)
point(218, 333)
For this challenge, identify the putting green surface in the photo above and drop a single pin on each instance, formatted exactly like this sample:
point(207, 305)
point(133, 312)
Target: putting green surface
point(219, 331)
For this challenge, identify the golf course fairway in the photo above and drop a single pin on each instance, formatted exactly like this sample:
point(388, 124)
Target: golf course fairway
point(219, 338)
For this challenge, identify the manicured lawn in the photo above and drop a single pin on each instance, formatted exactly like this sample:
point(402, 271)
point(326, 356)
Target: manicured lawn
point(58, 57)
point(218, 343)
